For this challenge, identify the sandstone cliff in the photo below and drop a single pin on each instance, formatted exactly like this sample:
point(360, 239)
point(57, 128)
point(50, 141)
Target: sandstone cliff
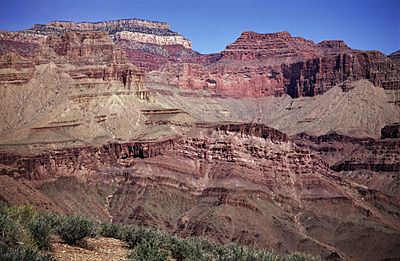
point(278, 63)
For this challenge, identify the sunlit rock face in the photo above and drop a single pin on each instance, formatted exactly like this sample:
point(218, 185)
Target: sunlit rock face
point(277, 63)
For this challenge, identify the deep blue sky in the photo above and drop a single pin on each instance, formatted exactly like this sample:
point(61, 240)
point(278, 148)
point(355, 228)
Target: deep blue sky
point(212, 24)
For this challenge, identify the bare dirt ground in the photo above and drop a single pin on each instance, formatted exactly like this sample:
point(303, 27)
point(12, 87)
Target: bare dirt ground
point(96, 249)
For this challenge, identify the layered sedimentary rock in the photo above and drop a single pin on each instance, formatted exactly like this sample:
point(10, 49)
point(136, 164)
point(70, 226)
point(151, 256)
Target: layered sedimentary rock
point(129, 29)
point(277, 63)
point(50, 91)
point(80, 54)
point(148, 44)
point(372, 162)
point(223, 176)
point(378, 155)
point(80, 133)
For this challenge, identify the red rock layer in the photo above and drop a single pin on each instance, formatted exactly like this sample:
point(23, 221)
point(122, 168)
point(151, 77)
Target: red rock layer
point(234, 182)
point(275, 64)
point(93, 55)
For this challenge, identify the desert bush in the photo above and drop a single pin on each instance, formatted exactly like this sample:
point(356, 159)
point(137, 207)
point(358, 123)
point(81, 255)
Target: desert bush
point(268, 256)
point(135, 235)
point(188, 249)
point(9, 232)
point(24, 231)
point(113, 230)
point(22, 253)
point(14, 228)
point(40, 229)
point(148, 250)
point(23, 214)
point(27, 226)
point(233, 252)
point(73, 229)
point(52, 219)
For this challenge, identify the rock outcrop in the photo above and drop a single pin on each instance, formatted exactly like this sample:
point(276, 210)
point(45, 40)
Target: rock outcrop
point(90, 55)
point(127, 29)
point(395, 57)
point(277, 63)
point(148, 44)
point(377, 155)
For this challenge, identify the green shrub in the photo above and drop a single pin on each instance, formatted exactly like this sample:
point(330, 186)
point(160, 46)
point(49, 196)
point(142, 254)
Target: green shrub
point(113, 230)
point(9, 232)
point(188, 249)
point(268, 256)
point(136, 235)
point(22, 253)
point(148, 250)
point(40, 229)
point(75, 228)
point(52, 219)
point(24, 231)
point(301, 257)
point(24, 225)
point(24, 214)
point(233, 252)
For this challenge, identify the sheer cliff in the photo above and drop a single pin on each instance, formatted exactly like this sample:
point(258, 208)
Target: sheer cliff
point(278, 63)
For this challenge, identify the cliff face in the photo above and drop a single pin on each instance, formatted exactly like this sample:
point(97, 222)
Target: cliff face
point(148, 44)
point(91, 53)
point(255, 65)
point(44, 78)
point(275, 64)
point(251, 46)
point(371, 162)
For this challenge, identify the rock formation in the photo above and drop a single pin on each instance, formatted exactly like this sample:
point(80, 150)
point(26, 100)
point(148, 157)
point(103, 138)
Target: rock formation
point(128, 29)
point(148, 44)
point(123, 121)
point(222, 176)
point(395, 57)
point(277, 63)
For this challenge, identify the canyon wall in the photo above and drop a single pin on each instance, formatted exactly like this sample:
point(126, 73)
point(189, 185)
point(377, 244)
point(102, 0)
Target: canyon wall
point(277, 63)
point(81, 133)
point(128, 29)
point(243, 183)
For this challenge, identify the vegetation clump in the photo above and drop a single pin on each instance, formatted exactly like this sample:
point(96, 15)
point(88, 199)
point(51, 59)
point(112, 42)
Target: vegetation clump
point(23, 233)
point(73, 229)
point(26, 233)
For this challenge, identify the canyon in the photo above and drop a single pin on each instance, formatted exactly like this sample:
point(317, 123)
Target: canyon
point(275, 143)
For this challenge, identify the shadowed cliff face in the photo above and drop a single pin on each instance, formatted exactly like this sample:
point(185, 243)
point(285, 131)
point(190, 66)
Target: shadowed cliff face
point(240, 183)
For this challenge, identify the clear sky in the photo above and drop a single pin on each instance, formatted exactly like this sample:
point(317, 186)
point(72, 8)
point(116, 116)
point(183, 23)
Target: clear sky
point(212, 24)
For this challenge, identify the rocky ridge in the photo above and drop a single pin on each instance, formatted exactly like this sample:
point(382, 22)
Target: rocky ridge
point(278, 63)
point(127, 29)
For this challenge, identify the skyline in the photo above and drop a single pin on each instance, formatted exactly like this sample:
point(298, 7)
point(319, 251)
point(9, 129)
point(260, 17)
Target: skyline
point(213, 24)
